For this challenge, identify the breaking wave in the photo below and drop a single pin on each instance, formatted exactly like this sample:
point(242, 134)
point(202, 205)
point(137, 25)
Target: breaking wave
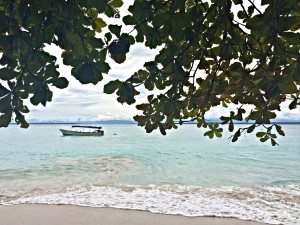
point(274, 205)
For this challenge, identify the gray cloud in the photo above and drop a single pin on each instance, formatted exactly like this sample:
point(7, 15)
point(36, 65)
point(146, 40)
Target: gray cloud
point(141, 51)
point(83, 91)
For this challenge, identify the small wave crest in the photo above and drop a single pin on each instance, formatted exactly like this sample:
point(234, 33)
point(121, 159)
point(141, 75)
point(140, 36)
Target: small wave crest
point(275, 205)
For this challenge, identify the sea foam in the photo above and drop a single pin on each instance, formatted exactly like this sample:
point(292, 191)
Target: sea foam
point(274, 205)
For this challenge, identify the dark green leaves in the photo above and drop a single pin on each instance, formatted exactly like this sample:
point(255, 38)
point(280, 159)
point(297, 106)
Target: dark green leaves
point(27, 70)
point(268, 135)
point(90, 72)
point(85, 73)
point(3, 91)
point(120, 47)
point(5, 104)
point(5, 119)
point(115, 29)
point(279, 130)
point(41, 95)
point(7, 74)
point(236, 135)
point(5, 110)
point(126, 93)
point(112, 86)
point(214, 131)
point(207, 56)
point(60, 82)
point(116, 3)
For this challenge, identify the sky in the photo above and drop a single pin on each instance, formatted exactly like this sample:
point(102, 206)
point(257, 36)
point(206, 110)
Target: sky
point(88, 102)
point(80, 102)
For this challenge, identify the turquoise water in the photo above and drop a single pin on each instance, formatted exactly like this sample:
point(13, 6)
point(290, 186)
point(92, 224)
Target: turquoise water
point(127, 168)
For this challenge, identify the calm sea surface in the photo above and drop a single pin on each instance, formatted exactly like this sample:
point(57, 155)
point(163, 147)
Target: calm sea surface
point(180, 173)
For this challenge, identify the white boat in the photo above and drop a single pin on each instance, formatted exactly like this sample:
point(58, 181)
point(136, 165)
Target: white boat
point(96, 132)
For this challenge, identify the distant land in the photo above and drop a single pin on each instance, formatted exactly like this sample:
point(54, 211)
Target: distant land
point(33, 121)
point(83, 122)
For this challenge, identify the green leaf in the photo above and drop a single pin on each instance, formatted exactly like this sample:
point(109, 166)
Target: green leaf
point(260, 134)
point(116, 3)
point(40, 95)
point(231, 126)
point(168, 108)
point(60, 82)
point(293, 104)
point(4, 23)
point(279, 130)
point(218, 133)
point(296, 73)
point(96, 42)
point(251, 128)
point(264, 139)
point(129, 20)
point(209, 133)
point(119, 58)
point(99, 5)
point(20, 119)
point(5, 119)
point(273, 142)
point(118, 49)
point(34, 66)
point(291, 37)
point(98, 24)
point(224, 119)
point(236, 136)
point(5, 104)
point(88, 74)
point(3, 91)
point(5, 60)
point(8, 74)
point(103, 67)
point(162, 129)
point(108, 37)
point(126, 93)
point(154, 38)
point(112, 86)
point(115, 29)
point(287, 85)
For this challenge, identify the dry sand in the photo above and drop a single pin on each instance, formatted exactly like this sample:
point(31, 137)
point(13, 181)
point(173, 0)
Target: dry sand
point(39, 214)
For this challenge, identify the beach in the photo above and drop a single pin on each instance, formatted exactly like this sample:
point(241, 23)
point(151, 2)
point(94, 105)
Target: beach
point(37, 214)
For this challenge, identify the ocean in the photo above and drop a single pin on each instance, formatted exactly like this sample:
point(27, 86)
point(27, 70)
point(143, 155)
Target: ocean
point(181, 173)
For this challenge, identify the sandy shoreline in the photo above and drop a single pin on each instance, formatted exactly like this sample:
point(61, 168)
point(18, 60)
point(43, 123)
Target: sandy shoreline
point(40, 214)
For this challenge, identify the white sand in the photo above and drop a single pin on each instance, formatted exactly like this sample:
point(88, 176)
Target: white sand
point(39, 214)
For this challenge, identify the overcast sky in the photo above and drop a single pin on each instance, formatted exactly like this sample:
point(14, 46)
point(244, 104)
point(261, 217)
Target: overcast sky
point(88, 102)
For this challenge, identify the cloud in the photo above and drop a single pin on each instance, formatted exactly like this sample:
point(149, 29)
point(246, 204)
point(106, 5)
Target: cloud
point(83, 91)
point(139, 50)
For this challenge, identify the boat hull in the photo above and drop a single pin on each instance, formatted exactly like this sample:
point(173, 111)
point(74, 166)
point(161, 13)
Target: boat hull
point(80, 133)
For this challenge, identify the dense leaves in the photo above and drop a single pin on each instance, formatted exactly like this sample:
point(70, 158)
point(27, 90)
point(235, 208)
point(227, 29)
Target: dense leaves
point(250, 58)
point(28, 71)
point(213, 53)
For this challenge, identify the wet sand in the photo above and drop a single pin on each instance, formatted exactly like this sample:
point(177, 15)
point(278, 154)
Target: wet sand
point(40, 214)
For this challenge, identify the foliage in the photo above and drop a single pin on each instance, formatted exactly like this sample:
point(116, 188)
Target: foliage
point(26, 26)
point(213, 53)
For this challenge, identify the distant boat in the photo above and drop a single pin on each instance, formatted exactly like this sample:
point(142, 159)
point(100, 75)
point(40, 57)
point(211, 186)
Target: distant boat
point(96, 132)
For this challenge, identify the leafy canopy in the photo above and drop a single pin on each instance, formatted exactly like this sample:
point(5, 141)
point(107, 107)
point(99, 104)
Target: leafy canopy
point(213, 53)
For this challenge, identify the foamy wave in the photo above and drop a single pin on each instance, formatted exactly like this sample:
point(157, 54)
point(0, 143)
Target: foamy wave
point(274, 205)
